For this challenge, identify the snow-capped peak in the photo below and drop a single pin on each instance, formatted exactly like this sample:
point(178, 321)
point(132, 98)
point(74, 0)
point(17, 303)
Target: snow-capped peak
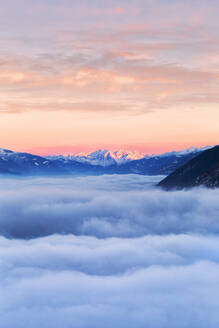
point(110, 157)
point(104, 157)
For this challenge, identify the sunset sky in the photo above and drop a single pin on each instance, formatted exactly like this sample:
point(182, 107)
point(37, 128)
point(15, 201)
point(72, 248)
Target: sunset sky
point(83, 75)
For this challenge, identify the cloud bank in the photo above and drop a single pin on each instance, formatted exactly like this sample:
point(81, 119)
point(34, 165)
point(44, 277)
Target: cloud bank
point(105, 206)
point(68, 281)
point(107, 251)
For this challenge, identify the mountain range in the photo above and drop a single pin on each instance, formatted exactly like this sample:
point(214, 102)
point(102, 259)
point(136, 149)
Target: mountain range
point(95, 163)
point(102, 157)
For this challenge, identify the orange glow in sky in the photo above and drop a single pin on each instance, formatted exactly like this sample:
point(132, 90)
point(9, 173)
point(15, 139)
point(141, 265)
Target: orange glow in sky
point(111, 76)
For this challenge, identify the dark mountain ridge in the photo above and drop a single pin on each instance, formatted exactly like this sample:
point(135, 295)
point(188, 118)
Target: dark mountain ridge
point(203, 170)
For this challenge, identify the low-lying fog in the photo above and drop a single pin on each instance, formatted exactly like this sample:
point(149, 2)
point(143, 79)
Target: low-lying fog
point(107, 251)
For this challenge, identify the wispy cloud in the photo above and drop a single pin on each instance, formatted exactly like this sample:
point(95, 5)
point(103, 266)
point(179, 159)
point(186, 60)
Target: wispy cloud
point(110, 59)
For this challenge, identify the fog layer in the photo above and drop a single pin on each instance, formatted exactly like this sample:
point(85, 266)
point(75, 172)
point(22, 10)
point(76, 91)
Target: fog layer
point(108, 251)
point(105, 206)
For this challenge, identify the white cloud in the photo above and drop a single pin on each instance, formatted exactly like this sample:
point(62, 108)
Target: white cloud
point(69, 281)
point(104, 206)
point(160, 269)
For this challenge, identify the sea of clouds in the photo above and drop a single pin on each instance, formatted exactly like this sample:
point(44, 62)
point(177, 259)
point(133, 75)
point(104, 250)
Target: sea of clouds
point(107, 251)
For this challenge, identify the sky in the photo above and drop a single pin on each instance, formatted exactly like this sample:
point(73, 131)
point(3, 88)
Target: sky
point(83, 75)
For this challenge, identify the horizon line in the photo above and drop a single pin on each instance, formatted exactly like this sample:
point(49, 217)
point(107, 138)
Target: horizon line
point(42, 153)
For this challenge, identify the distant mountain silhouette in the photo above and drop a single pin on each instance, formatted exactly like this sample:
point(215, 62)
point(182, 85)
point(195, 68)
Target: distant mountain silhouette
point(29, 164)
point(162, 164)
point(203, 170)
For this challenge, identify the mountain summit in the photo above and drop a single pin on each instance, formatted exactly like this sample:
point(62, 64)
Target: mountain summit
point(103, 157)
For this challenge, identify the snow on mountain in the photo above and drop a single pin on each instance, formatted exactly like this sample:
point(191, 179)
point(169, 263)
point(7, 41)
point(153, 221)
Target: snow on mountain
point(5, 152)
point(23, 163)
point(98, 162)
point(102, 157)
point(109, 157)
point(191, 150)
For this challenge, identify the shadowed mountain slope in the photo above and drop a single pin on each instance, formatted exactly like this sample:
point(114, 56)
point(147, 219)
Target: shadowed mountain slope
point(203, 170)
